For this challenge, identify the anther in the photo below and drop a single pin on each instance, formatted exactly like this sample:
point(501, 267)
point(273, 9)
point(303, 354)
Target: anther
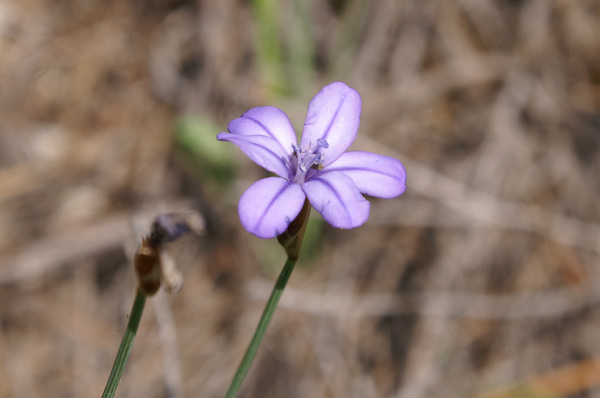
point(322, 143)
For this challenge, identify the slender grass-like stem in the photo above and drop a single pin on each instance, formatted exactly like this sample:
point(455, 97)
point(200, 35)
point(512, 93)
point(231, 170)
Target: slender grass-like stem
point(126, 344)
point(265, 319)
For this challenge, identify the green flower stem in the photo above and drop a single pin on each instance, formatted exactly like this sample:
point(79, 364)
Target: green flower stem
point(261, 329)
point(126, 344)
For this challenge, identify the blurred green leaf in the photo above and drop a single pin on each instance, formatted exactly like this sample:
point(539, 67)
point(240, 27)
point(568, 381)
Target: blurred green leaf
point(196, 137)
point(268, 44)
point(301, 51)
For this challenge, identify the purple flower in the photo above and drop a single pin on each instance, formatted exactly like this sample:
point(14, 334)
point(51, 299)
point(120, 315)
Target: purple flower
point(319, 168)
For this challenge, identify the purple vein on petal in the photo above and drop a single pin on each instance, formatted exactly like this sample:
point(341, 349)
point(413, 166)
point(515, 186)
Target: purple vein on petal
point(274, 154)
point(235, 137)
point(311, 121)
point(271, 203)
point(261, 145)
point(362, 168)
point(269, 133)
point(335, 115)
point(337, 195)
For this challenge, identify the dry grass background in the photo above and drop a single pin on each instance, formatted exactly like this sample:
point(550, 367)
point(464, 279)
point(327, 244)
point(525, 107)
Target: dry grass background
point(482, 280)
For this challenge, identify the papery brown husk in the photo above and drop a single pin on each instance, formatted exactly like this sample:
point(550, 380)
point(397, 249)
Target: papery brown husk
point(292, 238)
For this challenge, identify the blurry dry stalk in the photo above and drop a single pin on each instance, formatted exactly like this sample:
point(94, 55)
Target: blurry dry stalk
point(153, 264)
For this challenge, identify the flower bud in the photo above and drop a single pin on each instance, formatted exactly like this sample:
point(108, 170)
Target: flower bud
point(147, 268)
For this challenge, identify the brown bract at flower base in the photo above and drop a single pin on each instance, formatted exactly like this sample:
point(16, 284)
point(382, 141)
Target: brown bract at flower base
point(292, 238)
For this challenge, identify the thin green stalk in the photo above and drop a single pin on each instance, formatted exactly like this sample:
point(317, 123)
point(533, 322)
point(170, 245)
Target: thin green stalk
point(126, 344)
point(261, 329)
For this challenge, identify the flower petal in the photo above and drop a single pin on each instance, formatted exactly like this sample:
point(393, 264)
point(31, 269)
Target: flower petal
point(333, 116)
point(269, 206)
point(267, 121)
point(335, 196)
point(264, 151)
point(373, 174)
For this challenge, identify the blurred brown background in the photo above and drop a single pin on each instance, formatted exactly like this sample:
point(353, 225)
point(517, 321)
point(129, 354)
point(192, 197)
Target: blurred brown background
point(482, 280)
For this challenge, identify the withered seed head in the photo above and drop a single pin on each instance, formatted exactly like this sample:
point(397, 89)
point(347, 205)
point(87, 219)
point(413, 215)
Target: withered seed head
point(147, 268)
point(168, 227)
point(172, 280)
point(153, 265)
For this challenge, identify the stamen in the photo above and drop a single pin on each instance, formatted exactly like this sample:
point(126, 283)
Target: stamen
point(306, 159)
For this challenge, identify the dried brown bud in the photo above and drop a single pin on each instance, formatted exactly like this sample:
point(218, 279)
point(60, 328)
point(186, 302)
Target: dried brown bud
point(147, 268)
point(292, 238)
point(153, 264)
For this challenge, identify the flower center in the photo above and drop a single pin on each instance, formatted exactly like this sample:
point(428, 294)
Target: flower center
point(304, 160)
